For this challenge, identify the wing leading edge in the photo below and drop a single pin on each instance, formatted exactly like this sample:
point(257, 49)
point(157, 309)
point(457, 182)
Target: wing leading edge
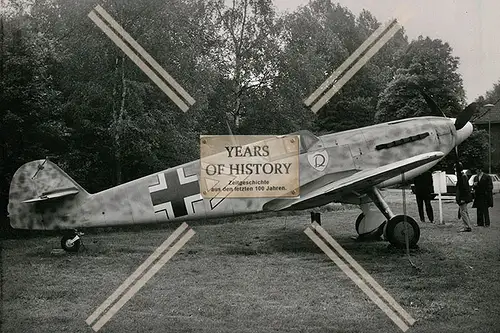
point(355, 183)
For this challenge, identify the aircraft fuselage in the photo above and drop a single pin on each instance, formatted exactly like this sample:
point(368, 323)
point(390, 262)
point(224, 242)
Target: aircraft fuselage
point(174, 194)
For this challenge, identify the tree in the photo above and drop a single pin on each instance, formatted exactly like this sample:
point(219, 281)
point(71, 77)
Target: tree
point(473, 152)
point(430, 65)
point(31, 119)
point(319, 38)
point(246, 55)
point(123, 125)
point(491, 96)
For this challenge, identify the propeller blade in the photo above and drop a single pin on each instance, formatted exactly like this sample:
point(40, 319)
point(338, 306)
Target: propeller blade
point(233, 139)
point(432, 105)
point(465, 115)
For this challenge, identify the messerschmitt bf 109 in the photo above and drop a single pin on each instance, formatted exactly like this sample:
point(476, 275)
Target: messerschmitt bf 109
point(346, 167)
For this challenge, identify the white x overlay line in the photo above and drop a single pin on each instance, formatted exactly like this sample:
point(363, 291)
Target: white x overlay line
point(332, 79)
point(143, 280)
point(359, 280)
point(138, 61)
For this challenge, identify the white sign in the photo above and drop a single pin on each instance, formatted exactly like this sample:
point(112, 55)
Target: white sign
point(439, 181)
point(439, 184)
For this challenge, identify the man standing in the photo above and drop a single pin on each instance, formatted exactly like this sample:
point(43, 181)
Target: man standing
point(483, 197)
point(423, 192)
point(463, 197)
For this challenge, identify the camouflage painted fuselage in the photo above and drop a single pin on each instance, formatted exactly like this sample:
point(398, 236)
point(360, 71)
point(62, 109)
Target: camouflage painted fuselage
point(173, 194)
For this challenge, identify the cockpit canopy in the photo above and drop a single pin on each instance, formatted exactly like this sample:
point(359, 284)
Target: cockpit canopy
point(307, 140)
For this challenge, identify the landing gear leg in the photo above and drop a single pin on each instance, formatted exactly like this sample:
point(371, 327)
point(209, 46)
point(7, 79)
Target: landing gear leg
point(395, 229)
point(71, 241)
point(379, 201)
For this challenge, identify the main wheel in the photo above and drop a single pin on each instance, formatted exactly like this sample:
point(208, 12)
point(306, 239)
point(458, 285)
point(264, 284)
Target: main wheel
point(396, 229)
point(68, 245)
point(374, 234)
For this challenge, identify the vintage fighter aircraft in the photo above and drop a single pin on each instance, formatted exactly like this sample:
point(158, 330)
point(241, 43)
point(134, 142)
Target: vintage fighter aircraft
point(346, 167)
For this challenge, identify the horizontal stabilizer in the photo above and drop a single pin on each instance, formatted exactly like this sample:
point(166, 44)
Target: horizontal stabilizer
point(54, 194)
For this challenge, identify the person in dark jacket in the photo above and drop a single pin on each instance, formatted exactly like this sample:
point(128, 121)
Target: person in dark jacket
point(423, 192)
point(463, 197)
point(483, 197)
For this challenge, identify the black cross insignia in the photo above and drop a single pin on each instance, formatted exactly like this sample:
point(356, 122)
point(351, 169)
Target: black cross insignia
point(175, 193)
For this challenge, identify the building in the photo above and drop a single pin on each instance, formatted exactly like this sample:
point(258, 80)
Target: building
point(490, 121)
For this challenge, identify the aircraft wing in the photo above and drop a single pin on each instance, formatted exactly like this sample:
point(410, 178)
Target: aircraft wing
point(357, 182)
point(54, 194)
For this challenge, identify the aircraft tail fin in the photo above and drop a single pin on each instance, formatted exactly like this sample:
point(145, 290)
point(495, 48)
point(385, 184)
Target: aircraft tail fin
point(36, 187)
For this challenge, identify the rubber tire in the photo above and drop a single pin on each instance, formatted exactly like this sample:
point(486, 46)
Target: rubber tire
point(395, 233)
point(358, 221)
point(374, 234)
point(74, 248)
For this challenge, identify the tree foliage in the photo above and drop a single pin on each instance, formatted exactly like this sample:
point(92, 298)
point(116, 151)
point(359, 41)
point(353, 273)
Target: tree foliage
point(473, 152)
point(492, 96)
point(426, 64)
point(319, 37)
point(31, 115)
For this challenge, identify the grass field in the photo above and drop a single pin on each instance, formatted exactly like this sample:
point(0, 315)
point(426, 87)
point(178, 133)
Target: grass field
point(258, 275)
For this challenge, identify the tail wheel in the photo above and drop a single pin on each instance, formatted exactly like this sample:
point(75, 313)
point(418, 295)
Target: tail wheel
point(397, 228)
point(69, 244)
